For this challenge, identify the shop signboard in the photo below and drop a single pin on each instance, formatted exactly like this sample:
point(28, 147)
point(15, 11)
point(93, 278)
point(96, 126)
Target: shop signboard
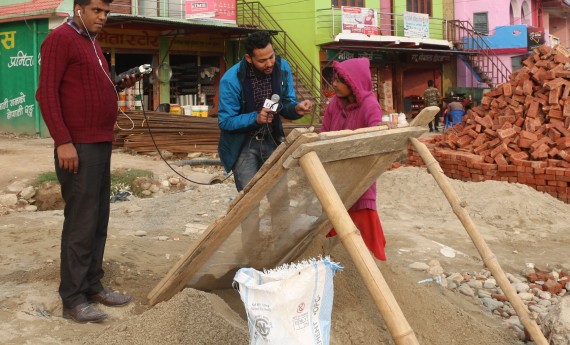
point(333, 54)
point(535, 37)
point(19, 68)
point(418, 58)
point(150, 40)
point(416, 25)
point(125, 38)
point(359, 20)
point(212, 10)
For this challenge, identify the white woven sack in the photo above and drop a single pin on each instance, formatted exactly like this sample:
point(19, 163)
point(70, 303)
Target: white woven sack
point(291, 304)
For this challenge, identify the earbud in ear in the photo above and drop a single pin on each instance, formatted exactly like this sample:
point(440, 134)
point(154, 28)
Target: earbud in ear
point(79, 13)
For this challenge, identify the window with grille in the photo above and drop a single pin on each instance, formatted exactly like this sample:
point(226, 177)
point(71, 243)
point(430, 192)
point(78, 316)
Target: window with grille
point(419, 6)
point(481, 22)
point(353, 3)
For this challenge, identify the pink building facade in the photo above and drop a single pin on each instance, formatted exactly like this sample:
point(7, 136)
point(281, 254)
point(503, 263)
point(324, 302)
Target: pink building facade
point(505, 26)
point(513, 28)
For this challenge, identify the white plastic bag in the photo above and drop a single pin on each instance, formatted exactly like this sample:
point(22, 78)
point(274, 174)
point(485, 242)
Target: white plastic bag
point(291, 304)
point(402, 120)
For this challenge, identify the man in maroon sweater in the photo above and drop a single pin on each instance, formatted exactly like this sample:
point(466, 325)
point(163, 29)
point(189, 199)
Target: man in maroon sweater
point(78, 102)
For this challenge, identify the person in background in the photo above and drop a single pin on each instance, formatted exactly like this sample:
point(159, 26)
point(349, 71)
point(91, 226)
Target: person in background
point(432, 98)
point(454, 113)
point(83, 131)
point(250, 132)
point(355, 106)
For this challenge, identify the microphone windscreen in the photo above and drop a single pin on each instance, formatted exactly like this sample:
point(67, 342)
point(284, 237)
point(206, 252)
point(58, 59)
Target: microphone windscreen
point(275, 98)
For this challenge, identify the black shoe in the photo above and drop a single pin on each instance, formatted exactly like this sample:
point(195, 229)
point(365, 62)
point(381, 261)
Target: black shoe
point(109, 298)
point(84, 313)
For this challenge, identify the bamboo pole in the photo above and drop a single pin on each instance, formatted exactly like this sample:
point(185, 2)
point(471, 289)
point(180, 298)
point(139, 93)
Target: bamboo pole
point(487, 255)
point(350, 237)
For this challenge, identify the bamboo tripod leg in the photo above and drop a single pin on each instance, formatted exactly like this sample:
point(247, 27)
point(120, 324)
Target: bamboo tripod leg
point(487, 255)
point(349, 235)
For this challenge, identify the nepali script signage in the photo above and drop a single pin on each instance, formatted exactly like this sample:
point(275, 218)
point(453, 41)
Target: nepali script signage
point(19, 57)
point(416, 25)
point(333, 54)
point(359, 20)
point(141, 39)
point(212, 10)
point(146, 39)
point(416, 58)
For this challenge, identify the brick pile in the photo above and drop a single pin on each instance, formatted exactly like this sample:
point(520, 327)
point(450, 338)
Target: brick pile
point(519, 133)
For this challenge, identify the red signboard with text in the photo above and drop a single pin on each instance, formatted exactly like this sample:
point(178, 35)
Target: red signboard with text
point(359, 20)
point(214, 10)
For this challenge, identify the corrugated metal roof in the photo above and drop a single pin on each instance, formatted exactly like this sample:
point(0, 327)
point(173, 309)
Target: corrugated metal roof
point(180, 24)
point(46, 8)
point(30, 8)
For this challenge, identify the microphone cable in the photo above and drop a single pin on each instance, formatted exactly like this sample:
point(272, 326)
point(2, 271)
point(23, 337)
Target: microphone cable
point(92, 39)
point(147, 121)
point(269, 129)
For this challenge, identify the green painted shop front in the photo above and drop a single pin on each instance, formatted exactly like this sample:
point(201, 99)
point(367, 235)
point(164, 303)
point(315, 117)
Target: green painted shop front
point(19, 70)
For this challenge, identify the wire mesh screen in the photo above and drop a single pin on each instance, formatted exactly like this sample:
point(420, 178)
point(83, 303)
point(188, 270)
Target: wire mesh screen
point(273, 232)
point(277, 215)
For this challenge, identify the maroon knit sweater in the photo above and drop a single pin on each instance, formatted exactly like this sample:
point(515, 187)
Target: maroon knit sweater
point(77, 100)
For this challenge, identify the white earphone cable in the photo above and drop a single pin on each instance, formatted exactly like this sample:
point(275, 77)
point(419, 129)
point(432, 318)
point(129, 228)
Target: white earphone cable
point(92, 39)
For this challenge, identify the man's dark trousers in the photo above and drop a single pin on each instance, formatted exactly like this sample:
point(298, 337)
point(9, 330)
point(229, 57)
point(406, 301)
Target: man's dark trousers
point(86, 195)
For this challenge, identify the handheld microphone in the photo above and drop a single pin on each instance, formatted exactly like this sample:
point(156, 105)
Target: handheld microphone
point(274, 106)
point(273, 103)
point(137, 71)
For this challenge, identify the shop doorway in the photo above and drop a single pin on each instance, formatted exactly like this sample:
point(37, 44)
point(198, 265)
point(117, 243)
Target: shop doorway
point(122, 62)
point(414, 83)
point(195, 80)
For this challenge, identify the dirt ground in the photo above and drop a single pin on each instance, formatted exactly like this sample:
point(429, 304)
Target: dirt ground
point(520, 225)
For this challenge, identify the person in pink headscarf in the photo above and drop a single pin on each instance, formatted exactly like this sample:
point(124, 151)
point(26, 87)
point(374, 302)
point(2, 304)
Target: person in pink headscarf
point(354, 106)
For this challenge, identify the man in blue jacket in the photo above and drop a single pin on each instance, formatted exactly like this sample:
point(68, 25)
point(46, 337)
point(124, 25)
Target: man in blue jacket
point(250, 132)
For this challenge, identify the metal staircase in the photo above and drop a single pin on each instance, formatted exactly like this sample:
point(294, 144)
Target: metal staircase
point(485, 64)
point(307, 77)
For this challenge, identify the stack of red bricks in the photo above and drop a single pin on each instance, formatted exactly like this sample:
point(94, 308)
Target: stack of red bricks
point(519, 133)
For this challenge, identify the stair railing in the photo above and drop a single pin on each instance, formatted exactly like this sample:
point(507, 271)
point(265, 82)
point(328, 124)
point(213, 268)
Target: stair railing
point(253, 14)
point(486, 63)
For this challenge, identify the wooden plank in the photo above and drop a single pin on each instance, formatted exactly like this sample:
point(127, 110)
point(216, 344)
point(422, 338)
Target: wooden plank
point(357, 145)
point(281, 149)
point(425, 117)
point(292, 143)
point(347, 132)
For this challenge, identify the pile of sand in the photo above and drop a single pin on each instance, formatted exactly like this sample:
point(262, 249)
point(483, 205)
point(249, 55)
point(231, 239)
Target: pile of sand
point(200, 318)
point(190, 317)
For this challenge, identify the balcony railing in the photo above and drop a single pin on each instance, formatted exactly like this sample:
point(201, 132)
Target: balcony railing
point(308, 78)
point(389, 24)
